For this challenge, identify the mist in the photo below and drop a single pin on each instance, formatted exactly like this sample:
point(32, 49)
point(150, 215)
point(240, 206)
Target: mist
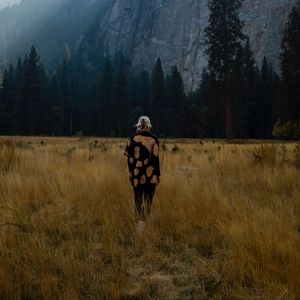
point(49, 25)
point(7, 3)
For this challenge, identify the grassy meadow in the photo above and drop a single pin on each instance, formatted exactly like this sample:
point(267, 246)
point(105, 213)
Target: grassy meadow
point(225, 222)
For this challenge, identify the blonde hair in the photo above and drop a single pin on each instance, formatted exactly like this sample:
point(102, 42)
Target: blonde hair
point(143, 123)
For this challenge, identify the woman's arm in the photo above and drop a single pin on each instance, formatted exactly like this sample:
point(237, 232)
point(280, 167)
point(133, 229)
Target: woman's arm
point(129, 154)
point(156, 163)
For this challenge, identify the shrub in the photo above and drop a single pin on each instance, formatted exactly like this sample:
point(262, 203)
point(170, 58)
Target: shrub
point(79, 134)
point(289, 130)
point(175, 148)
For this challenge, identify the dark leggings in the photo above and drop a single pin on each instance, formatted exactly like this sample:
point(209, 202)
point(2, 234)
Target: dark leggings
point(143, 195)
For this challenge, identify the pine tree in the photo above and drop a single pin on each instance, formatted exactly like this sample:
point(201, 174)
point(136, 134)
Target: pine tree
point(176, 123)
point(44, 106)
point(120, 101)
point(157, 94)
point(84, 93)
point(8, 98)
point(202, 94)
point(267, 90)
point(65, 95)
point(143, 91)
point(104, 109)
point(18, 107)
point(290, 68)
point(33, 97)
point(211, 94)
point(196, 111)
point(56, 119)
point(139, 95)
point(244, 86)
point(238, 99)
point(250, 90)
point(223, 38)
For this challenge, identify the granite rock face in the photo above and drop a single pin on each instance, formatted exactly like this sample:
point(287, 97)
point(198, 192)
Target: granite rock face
point(173, 30)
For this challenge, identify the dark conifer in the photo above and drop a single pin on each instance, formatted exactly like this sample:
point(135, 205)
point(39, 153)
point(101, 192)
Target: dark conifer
point(143, 91)
point(104, 108)
point(56, 114)
point(177, 104)
point(250, 90)
point(7, 102)
point(223, 38)
point(65, 95)
point(33, 97)
point(290, 68)
point(157, 94)
point(120, 99)
point(267, 90)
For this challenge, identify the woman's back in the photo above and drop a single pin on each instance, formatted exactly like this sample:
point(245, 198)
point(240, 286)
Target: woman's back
point(143, 158)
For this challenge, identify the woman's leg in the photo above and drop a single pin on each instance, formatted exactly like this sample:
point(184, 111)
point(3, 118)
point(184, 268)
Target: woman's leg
point(139, 207)
point(149, 195)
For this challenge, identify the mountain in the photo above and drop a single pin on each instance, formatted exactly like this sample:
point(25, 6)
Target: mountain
point(144, 29)
point(173, 30)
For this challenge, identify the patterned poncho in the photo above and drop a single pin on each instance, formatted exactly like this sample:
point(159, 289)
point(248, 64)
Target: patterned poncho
point(142, 153)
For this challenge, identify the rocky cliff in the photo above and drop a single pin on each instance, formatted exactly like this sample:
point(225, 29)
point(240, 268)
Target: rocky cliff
point(145, 29)
point(173, 30)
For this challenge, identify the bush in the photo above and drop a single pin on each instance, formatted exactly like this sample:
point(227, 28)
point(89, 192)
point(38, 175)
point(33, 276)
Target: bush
point(289, 130)
point(175, 148)
point(79, 134)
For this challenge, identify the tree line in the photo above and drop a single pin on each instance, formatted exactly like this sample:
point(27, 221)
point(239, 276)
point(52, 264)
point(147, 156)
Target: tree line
point(237, 98)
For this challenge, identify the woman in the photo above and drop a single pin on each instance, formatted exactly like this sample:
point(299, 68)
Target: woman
point(142, 153)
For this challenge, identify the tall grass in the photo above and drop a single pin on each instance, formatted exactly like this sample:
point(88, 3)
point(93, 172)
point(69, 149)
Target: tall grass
point(8, 156)
point(221, 228)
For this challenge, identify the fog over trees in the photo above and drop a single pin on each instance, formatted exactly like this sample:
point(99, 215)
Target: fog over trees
point(51, 25)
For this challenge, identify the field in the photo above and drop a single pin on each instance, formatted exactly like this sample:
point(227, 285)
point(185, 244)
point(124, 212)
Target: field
point(225, 222)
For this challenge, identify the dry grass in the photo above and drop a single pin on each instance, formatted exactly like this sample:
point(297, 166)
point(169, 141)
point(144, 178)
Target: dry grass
point(225, 222)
